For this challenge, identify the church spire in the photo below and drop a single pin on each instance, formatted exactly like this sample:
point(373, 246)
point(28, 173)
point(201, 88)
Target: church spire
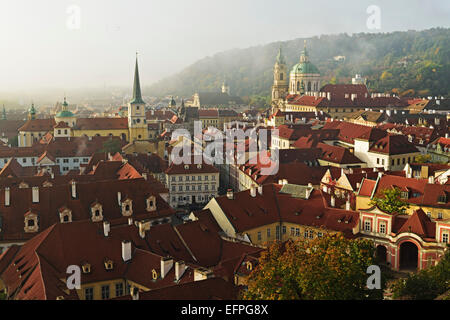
point(280, 58)
point(304, 54)
point(137, 97)
point(4, 113)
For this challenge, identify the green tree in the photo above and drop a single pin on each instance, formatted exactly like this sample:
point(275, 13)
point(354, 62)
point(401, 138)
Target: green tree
point(331, 267)
point(423, 158)
point(390, 201)
point(111, 146)
point(426, 284)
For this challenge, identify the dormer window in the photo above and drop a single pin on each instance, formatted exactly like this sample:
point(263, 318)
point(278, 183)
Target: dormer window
point(96, 212)
point(442, 199)
point(151, 203)
point(404, 194)
point(154, 274)
point(109, 264)
point(86, 268)
point(249, 266)
point(65, 215)
point(31, 222)
point(23, 185)
point(127, 207)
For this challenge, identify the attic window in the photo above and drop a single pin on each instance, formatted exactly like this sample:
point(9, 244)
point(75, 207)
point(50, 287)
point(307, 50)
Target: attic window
point(442, 199)
point(249, 266)
point(86, 268)
point(109, 264)
point(404, 194)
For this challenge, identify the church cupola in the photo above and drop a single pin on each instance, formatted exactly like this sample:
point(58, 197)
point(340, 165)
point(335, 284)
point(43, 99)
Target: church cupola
point(65, 115)
point(304, 74)
point(32, 112)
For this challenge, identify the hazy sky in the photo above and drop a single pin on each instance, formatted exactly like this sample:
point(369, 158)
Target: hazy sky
point(41, 46)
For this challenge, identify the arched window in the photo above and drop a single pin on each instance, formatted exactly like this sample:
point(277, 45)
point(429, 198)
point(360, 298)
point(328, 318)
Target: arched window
point(281, 76)
point(298, 85)
point(309, 86)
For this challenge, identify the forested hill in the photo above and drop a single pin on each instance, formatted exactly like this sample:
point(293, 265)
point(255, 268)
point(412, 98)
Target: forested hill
point(407, 63)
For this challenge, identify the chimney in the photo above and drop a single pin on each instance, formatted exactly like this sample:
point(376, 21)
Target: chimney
point(253, 191)
point(180, 268)
point(144, 175)
point(35, 194)
point(230, 194)
point(329, 95)
point(431, 179)
point(141, 230)
point(260, 189)
point(325, 189)
point(119, 198)
point(7, 196)
point(166, 265)
point(106, 228)
point(130, 221)
point(353, 96)
point(332, 201)
point(135, 293)
point(126, 250)
point(73, 185)
point(347, 205)
point(380, 174)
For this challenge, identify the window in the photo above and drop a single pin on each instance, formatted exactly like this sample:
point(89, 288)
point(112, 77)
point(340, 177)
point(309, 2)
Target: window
point(393, 162)
point(445, 237)
point(193, 178)
point(173, 188)
point(85, 159)
point(284, 229)
point(199, 188)
point(439, 215)
point(311, 234)
point(367, 225)
point(268, 233)
point(119, 289)
point(403, 160)
point(305, 234)
point(180, 178)
point(206, 178)
point(89, 293)
point(187, 178)
point(76, 160)
point(31, 223)
point(105, 292)
point(180, 188)
point(382, 162)
point(24, 160)
point(173, 178)
point(65, 160)
point(292, 231)
point(199, 178)
point(378, 160)
point(187, 188)
point(398, 161)
point(382, 227)
point(319, 234)
point(277, 233)
point(206, 187)
point(259, 235)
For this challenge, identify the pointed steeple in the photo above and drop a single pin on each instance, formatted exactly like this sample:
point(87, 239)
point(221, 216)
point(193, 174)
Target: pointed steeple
point(304, 54)
point(4, 113)
point(64, 105)
point(280, 58)
point(137, 97)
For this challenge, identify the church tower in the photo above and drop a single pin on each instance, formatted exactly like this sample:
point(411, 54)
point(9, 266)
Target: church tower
point(32, 112)
point(4, 113)
point(280, 79)
point(137, 124)
point(305, 76)
point(225, 88)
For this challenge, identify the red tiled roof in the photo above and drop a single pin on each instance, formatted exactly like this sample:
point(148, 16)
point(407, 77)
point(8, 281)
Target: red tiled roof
point(101, 123)
point(393, 145)
point(336, 154)
point(38, 125)
point(420, 224)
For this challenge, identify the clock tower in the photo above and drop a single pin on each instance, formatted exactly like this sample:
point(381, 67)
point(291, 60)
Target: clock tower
point(137, 123)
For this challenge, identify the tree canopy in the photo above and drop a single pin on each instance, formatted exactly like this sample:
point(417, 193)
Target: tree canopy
point(390, 201)
point(331, 267)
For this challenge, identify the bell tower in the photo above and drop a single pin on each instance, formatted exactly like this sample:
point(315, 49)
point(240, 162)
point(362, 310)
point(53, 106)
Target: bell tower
point(137, 123)
point(280, 79)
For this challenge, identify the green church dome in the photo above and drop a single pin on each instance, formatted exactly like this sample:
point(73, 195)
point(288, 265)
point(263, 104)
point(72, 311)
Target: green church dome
point(305, 68)
point(64, 114)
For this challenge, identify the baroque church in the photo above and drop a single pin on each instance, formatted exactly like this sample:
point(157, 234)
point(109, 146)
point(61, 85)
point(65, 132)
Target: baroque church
point(303, 78)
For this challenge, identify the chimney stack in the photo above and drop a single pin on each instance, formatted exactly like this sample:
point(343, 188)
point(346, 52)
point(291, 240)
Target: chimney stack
point(106, 228)
point(35, 194)
point(230, 194)
point(7, 196)
point(166, 265)
point(126, 250)
point(130, 221)
point(180, 268)
point(144, 175)
point(119, 198)
point(141, 230)
point(260, 189)
point(431, 179)
point(332, 201)
point(253, 191)
point(73, 185)
point(347, 205)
